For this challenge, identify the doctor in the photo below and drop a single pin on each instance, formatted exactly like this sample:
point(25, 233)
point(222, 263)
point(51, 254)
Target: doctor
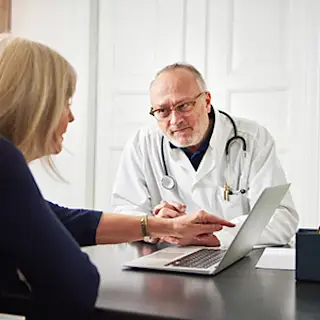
point(196, 157)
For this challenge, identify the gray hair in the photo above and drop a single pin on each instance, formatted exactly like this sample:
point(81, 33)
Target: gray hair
point(185, 66)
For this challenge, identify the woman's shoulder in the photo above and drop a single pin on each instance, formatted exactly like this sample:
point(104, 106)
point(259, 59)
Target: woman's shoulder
point(8, 148)
point(11, 158)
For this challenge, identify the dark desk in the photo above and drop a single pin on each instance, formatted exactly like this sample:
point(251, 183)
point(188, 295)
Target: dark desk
point(239, 292)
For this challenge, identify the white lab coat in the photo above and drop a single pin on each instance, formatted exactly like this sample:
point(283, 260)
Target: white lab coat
point(137, 189)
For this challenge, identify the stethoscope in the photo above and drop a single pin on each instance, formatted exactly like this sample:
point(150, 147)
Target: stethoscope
point(168, 182)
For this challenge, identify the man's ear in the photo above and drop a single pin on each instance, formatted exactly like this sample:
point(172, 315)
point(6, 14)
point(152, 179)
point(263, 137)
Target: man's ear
point(208, 101)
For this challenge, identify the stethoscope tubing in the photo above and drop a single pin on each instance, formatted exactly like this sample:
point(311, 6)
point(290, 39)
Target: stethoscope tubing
point(168, 181)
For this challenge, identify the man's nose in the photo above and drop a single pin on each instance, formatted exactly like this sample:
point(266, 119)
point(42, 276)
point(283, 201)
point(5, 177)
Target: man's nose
point(175, 117)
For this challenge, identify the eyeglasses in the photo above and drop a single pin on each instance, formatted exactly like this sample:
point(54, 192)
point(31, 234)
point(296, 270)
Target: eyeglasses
point(184, 108)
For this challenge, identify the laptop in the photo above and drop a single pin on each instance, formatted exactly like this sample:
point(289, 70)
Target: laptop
point(210, 260)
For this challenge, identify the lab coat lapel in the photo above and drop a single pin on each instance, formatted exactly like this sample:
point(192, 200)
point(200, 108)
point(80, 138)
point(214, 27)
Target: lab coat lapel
point(177, 161)
point(216, 150)
point(181, 159)
point(206, 166)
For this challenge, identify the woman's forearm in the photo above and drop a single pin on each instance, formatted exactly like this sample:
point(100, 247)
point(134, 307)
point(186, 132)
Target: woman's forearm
point(118, 228)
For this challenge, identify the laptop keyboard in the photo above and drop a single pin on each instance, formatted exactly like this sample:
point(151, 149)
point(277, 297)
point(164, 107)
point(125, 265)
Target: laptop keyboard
point(204, 258)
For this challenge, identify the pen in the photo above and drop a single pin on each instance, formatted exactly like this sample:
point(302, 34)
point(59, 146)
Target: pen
point(226, 192)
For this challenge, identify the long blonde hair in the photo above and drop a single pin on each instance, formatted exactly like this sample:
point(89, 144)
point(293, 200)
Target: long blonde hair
point(36, 83)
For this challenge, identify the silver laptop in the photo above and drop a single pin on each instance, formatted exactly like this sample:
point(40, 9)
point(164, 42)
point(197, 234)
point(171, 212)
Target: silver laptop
point(209, 261)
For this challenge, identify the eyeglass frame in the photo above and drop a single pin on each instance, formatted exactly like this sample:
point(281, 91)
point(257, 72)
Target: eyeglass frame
point(174, 108)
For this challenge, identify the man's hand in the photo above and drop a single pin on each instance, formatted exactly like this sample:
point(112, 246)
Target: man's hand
point(209, 240)
point(169, 210)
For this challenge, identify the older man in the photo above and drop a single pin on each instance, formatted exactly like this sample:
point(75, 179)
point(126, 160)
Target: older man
point(189, 161)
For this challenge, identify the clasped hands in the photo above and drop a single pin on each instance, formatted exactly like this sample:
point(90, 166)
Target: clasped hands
point(174, 210)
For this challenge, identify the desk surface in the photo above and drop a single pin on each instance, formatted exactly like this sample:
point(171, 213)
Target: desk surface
point(239, 292)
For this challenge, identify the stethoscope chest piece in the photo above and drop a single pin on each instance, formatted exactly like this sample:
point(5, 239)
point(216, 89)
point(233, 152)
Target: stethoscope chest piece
point(167, 182)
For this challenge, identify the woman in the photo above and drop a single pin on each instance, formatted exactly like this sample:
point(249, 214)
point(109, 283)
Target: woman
point(39, 238)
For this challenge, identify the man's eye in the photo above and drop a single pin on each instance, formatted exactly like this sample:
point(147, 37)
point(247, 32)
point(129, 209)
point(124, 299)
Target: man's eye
point(184, 107)
point(163, 111)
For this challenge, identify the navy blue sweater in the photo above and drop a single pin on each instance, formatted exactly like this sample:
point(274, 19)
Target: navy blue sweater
point(42, 240)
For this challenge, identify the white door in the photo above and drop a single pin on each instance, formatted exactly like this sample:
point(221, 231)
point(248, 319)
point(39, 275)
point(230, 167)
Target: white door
point(64, 26)
point(260, 60)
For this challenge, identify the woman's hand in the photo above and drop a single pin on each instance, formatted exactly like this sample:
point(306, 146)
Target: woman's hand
point(198, 225)
point(196, 228)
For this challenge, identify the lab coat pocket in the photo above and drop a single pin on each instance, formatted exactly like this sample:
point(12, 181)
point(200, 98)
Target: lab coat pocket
point(237, 205)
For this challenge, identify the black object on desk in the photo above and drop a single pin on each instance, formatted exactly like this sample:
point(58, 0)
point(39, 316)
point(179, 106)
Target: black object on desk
point(308, 255)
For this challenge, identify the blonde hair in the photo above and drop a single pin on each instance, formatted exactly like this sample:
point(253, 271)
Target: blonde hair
point(36, 83)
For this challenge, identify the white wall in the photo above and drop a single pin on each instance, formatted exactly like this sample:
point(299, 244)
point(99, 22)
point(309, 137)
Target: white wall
point(260, 59)
point(65, 26)
point(253, 53)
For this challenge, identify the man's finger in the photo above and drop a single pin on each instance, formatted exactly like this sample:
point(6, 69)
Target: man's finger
point(173, 206)
point(208, 240)
point(170, 239)
point(158, 207)
point(182, 241)
point(151, 240)
point(169, 213)
point(204, 236)
point(179, 206)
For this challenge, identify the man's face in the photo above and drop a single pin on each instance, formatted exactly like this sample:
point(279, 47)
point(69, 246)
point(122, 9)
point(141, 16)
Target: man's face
point(172, 89)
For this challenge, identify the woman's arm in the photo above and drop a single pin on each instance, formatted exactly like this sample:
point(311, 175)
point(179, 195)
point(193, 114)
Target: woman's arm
point(90, 227)
point(34, 239)
point(81, 223)
point(117, 228)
